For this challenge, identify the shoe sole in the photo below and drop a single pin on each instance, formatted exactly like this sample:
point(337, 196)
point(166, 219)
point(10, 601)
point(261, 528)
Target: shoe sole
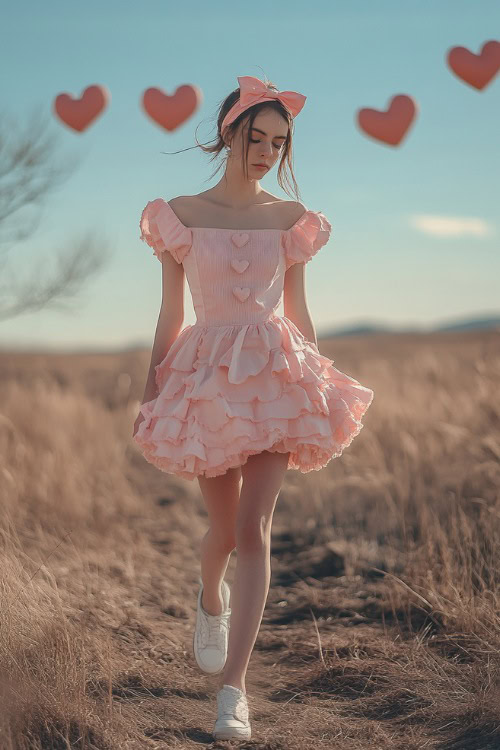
point(194, 638)
point(232, 733)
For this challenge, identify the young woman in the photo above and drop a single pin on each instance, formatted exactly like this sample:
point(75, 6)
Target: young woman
point(243, 394)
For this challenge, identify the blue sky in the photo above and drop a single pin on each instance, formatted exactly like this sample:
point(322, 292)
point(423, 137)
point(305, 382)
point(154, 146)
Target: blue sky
point(415, 228)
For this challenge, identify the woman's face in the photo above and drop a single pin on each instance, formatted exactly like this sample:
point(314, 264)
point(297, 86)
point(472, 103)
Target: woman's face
point(266, 139)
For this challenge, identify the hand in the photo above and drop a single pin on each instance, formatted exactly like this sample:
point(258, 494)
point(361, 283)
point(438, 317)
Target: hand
point(140, 418)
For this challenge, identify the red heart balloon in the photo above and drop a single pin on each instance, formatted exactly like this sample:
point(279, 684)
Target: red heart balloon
point(171, 111)
point(392, 125)
point(476, 70)
point(79, 113)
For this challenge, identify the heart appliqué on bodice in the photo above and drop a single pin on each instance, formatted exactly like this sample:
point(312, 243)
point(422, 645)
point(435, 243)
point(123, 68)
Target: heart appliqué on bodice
point(240, 238)
point(239, 265)
point(241, 292)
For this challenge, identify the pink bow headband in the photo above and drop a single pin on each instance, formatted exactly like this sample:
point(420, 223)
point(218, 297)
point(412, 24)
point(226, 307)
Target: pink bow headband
point(253, 90)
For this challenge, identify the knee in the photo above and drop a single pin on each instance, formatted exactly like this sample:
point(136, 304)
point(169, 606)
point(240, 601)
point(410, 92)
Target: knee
point(252, 536)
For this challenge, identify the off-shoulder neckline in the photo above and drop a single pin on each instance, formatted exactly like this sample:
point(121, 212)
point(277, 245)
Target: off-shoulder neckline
point(227, 229)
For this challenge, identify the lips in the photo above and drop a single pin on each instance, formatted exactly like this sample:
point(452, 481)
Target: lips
point(263, 166)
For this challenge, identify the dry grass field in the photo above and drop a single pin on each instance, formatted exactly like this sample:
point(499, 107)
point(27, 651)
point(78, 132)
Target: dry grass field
point(382, 626)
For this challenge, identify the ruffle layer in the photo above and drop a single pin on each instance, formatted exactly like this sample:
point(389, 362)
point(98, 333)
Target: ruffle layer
point(228, 392)
point(162, 230)
point(306, 237)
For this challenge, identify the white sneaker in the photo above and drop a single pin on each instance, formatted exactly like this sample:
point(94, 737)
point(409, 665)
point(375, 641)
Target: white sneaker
point(211, 634)
point(232, 719)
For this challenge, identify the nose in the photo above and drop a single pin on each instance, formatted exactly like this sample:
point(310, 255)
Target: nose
point(266, 150)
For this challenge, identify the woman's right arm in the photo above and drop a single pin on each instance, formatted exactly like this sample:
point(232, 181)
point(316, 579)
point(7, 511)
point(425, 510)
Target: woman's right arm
point(170, 319)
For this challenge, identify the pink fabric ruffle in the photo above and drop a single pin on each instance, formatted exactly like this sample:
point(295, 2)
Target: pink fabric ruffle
point(162, 230)
point(306, 237)
point(228, 392)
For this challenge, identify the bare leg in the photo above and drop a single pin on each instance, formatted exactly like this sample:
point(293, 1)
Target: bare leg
point(221, 497)
point(262, 479)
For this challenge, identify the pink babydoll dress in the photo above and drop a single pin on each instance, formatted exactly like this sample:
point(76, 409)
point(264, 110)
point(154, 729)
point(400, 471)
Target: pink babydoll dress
point(242, 379)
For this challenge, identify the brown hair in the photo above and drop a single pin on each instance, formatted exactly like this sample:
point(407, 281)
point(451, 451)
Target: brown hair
point(249, 116)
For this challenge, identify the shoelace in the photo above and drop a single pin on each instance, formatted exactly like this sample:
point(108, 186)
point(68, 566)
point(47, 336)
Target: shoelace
point(215, 635)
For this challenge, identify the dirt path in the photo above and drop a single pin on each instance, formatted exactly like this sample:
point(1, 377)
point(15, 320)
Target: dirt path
point(299, 695)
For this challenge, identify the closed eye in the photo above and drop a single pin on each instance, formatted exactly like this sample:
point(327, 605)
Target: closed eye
point(275, 146)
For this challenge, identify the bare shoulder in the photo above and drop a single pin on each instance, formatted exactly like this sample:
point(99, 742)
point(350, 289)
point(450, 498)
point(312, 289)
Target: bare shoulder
point(296, 209)
point(186, 208)
point(179, 200)
point(287, 212)
point(181, 205)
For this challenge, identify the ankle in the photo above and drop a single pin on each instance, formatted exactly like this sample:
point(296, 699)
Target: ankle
point(212, 607)
point(234, 683)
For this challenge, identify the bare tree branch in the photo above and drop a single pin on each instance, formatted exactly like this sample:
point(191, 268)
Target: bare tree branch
point(28, 173)
point(58, 292)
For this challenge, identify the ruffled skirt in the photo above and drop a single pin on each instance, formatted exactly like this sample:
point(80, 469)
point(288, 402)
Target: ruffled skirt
point(231, 391)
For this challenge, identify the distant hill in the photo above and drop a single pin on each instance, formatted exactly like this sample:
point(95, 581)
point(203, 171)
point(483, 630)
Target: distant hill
point(471, 324)
point(466, 324)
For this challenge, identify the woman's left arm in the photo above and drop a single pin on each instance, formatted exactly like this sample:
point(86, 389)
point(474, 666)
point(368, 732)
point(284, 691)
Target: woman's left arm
point(295, 303)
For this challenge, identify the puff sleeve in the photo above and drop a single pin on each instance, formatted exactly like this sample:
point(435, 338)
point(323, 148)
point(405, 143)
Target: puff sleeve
point(306, 237)
point(162, 230)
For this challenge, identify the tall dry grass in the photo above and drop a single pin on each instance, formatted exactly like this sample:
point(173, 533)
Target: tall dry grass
point(383, 615)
